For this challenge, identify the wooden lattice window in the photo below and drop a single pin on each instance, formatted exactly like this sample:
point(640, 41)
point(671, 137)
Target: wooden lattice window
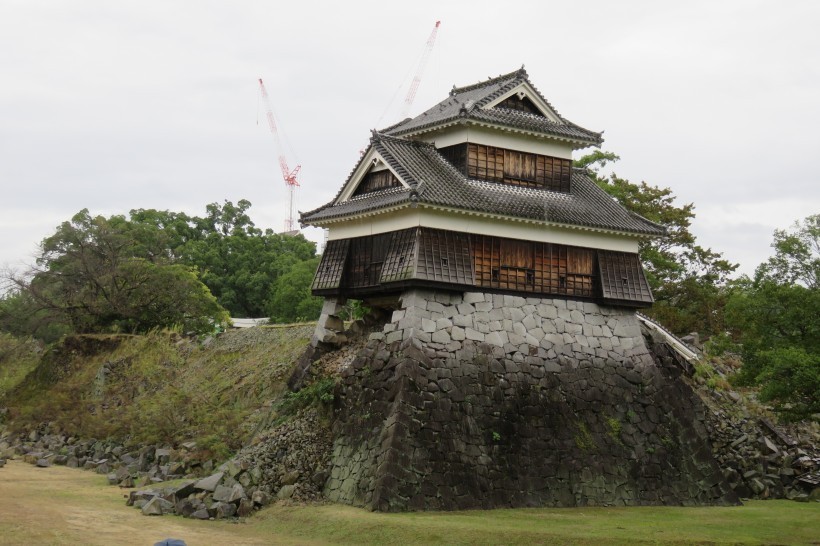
point(331, 268)
point(522, 104)
point(367, 256)
point(511, 167)
point(400, 263)
point(622, 278)
point(520, 167)
point(553, 173)
point(366, 265)
point(485, 163)
point(377, 180)
point(580, 271)
point(527, 266)
point(456, 155)
point(444, 256)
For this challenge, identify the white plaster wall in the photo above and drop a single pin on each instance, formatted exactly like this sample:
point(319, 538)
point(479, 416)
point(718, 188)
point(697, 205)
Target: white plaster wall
point(509, 140)
point(423, 217)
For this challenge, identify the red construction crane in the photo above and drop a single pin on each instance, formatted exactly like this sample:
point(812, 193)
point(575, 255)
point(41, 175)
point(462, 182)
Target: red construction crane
point(290, 176)
point(411, 93)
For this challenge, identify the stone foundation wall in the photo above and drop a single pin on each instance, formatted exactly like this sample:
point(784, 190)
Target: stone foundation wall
point(483, 400)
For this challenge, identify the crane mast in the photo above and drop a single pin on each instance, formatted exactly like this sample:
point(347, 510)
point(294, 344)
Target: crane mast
point(411, 93)
point(290, 176)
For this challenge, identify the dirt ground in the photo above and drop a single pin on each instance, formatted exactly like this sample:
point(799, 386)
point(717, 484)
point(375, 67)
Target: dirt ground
point(60, 505)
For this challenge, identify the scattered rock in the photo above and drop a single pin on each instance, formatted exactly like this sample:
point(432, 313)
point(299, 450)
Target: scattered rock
point(768, 447)
point(245, 508)
point(285, 492)
point(229, 494)
point(222, 510)
point(260, 498)
point(202, 513)
point(157, 506)
point(209, 483)
point(290, 477)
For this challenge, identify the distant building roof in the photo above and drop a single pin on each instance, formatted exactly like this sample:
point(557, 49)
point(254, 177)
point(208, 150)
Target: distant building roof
point(248, 322)
point(431, 180)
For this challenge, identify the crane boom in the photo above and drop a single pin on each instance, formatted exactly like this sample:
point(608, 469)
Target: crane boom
point(411, 93)
point(290, 176)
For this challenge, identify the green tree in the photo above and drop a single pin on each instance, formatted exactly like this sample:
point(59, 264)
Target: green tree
point(239, 262)
point(687, 280)
point(797, 255)
point(93, 276)
point(22, 316)
point(291, 300)
point(776, 318)
point(99, 273)
point(161, 233)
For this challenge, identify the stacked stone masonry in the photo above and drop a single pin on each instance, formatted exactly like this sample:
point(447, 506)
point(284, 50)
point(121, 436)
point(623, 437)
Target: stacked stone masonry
point(481, 400)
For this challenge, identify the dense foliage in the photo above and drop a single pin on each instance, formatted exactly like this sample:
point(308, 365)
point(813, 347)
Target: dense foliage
point(92, 275)
point(772, 319)
point(776, 318)
point(687, 280)
point(291, 300)
point(159, 269)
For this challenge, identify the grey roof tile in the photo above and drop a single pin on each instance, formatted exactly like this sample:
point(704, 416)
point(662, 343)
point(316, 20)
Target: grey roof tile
point(466, 104)
point(434, 181)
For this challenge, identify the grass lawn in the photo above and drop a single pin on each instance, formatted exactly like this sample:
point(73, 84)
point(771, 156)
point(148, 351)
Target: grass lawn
point(758, 522)
point(59, 505)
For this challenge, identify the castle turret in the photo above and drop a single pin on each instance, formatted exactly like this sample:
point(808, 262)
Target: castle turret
point(479, 192)
point(512, 370)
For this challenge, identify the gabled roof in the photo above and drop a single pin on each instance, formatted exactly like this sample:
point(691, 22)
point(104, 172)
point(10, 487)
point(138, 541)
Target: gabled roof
point(430, 180)
point(478, 104)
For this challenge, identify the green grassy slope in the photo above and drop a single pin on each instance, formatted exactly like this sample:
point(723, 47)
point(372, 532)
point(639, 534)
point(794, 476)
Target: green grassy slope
point(158, 387)
point(17, 358)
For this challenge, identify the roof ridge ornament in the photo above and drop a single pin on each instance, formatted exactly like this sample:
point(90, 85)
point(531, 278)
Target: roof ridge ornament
point(488, 81)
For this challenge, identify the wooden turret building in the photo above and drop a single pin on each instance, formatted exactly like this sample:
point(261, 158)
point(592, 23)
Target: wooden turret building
point(512, 370)
point(479, 192)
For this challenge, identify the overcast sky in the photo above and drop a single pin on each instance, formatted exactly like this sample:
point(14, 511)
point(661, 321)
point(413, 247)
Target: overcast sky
point(116, 105)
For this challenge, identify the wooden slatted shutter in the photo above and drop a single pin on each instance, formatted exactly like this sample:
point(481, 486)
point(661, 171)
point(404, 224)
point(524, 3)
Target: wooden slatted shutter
point(444, 256)
point(400, 263)
point(622, 278)
point(330, 271)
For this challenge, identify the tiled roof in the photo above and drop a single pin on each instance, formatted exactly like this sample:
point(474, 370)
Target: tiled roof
point(467, 104)
point(432, 180)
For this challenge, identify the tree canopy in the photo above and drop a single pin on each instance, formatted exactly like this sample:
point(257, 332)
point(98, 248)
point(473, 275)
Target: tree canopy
point(159, 269)
point(776, 319)
point(291, 299)
point(687, 279)
point(239, 262)
point(94, 275)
